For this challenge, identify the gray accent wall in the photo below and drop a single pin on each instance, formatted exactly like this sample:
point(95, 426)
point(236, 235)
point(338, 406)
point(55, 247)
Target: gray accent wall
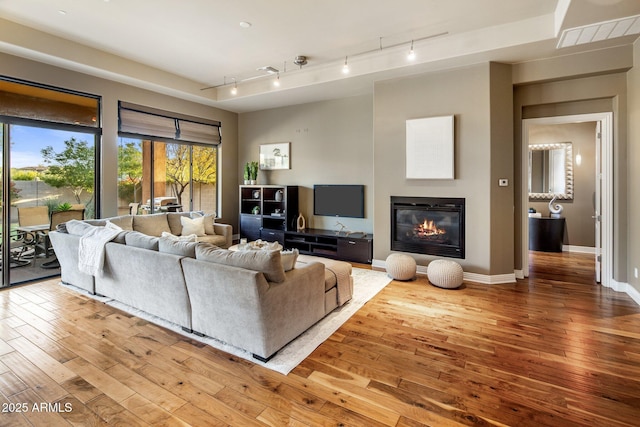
point(483, 152)
point(331, 143)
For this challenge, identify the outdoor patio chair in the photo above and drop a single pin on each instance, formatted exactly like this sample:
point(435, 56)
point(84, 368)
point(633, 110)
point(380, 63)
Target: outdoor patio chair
point(43, 244)
point(33, 215)
point(21, 249)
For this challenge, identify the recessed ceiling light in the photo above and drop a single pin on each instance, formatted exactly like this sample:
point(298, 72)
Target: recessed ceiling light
point(245, 24)
point(62, 12)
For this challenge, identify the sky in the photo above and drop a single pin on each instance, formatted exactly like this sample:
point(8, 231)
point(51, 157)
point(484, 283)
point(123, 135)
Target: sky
point(26, 143)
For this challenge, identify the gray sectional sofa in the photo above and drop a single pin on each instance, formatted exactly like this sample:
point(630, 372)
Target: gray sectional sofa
point(246, 299)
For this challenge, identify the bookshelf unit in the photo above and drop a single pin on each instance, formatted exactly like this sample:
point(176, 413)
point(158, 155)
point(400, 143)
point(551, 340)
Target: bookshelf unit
point(267, 211)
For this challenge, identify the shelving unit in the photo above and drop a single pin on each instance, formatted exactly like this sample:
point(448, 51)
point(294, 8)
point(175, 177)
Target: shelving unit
point(267, 211)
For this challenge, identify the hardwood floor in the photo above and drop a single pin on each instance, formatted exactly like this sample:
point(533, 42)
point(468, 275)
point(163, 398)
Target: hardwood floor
point(553, 350)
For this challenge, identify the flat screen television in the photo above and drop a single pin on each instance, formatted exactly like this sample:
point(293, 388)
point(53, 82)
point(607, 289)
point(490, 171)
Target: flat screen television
point(339, 200)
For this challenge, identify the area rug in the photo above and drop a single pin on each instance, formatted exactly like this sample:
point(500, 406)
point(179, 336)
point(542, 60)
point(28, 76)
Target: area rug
point(366, 284)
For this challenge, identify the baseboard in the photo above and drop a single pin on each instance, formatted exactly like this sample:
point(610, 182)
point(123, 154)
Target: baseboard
point(633, 293)
point(471, 277)
point(579, 249)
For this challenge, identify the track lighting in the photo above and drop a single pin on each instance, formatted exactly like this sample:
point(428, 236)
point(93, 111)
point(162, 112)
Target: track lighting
point(345, 67)
point(412, 54)
point(234, 89)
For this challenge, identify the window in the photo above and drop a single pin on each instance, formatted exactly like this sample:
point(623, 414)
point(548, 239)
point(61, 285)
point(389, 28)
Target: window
point(166, 161)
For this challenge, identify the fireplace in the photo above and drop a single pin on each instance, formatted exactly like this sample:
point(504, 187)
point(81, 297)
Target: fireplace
point(428, 225)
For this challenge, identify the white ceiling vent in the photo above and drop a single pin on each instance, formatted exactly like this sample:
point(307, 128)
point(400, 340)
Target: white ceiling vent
point(600, 31)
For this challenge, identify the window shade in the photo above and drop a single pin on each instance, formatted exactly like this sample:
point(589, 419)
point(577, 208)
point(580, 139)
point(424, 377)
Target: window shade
point(198, 132)
point(145, 124)
point(148, 122)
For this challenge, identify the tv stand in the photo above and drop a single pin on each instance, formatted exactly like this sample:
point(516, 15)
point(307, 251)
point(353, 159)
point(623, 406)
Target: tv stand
point(355, 247)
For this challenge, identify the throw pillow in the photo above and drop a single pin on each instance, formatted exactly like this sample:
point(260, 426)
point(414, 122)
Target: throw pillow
point(177, 247)
point(141, 240)
point(267, 262)
point(209, 221)
point(289, 259)
point(192, 226)
point(187, 238)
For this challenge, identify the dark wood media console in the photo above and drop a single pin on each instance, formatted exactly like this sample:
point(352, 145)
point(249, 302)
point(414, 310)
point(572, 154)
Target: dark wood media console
point(355, 247)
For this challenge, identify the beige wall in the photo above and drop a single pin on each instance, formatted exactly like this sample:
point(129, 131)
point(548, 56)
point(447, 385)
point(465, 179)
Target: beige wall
point(633, 159)
point(580, 227)
point(331, 143)
point(111, 93)
point(465, 93)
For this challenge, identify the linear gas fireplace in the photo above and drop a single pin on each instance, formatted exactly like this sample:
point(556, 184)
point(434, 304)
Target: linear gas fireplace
point(428, 225)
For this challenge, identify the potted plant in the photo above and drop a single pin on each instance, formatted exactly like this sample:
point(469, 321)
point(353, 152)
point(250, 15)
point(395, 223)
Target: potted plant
point(247, 173)
point(253, 172)
point(62, 207)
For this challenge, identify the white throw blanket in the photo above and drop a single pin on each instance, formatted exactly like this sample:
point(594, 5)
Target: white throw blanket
point(91, 247)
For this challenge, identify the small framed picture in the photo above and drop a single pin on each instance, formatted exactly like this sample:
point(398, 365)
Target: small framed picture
point(275, 156)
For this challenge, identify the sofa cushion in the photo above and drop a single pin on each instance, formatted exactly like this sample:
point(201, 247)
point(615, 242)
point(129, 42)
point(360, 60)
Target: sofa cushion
point(177, 247)
point(123, 221)
point(192, 226)
point(173, 218)
point(267, 262)
point(151, 225)
point(141, 240)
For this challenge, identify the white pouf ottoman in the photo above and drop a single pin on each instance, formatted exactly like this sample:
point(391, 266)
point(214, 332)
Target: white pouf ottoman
point(401, 267)
point(445, 274)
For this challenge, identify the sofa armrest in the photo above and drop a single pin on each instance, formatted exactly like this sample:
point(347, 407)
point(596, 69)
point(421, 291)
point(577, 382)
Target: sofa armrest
point(225, 230)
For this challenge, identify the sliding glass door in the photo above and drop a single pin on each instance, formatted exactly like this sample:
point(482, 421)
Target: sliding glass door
point(49, 170)
point(48, 161)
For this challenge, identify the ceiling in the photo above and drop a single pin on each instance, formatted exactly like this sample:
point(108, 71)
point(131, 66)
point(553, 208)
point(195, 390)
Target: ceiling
point(190, 49)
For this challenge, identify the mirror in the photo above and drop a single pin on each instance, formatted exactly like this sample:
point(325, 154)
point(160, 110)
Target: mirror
point(551, 171)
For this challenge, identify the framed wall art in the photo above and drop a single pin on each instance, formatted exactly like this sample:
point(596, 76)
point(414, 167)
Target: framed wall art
point(275, 156)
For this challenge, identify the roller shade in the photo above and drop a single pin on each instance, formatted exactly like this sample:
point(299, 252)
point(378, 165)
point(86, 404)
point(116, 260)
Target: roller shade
point(198, 132)
point(139, 121)
point(135, 122)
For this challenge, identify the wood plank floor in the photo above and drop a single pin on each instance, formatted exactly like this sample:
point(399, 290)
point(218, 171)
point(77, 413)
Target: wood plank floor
point(553, 350)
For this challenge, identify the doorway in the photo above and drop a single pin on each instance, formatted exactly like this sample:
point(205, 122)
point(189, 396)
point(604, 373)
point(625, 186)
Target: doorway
point(600, 214)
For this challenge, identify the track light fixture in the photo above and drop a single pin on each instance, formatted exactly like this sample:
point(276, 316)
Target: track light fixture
point(234, 89)
point(302, 60)
point(412, 54)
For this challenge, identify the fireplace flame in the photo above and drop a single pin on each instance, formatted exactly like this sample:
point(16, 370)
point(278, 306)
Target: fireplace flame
point(429, 228)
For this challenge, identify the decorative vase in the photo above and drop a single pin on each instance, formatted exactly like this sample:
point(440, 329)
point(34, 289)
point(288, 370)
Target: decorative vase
point(252, 181)
point(279, 196)
point(301, 223)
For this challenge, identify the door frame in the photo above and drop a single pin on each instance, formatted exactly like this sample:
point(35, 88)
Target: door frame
point(606, 121)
